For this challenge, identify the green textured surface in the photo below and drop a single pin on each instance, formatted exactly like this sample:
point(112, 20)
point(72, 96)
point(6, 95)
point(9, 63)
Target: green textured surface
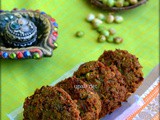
point(140, 31)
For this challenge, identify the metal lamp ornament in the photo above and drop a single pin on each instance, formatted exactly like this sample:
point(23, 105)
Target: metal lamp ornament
point(27, 34)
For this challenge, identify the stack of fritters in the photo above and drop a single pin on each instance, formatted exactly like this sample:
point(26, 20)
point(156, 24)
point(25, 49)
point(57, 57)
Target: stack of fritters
point(96, 89)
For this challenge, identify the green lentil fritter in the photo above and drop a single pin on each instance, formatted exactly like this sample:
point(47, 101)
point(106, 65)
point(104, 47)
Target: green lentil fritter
point(107, 82)
point(96, 89)
point(50, 103)
point(127, 64)
point(88, 101)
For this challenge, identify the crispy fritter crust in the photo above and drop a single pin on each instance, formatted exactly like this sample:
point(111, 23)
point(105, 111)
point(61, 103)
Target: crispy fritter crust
point(50, 103)
point(107, 82)
point(88, 101)
point(96, 89)
point(127, 64)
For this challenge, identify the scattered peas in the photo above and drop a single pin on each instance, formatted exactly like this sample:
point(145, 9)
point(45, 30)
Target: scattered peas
point(110, 39)
point(90, 17)
point(105, 33)
point(118, 40)
point(100, 29)
point(112, 31)
point(110, 18)
point(80, 34)
point(101, 38)
point(96, 22)
point(118, 19)
point(101, 16)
